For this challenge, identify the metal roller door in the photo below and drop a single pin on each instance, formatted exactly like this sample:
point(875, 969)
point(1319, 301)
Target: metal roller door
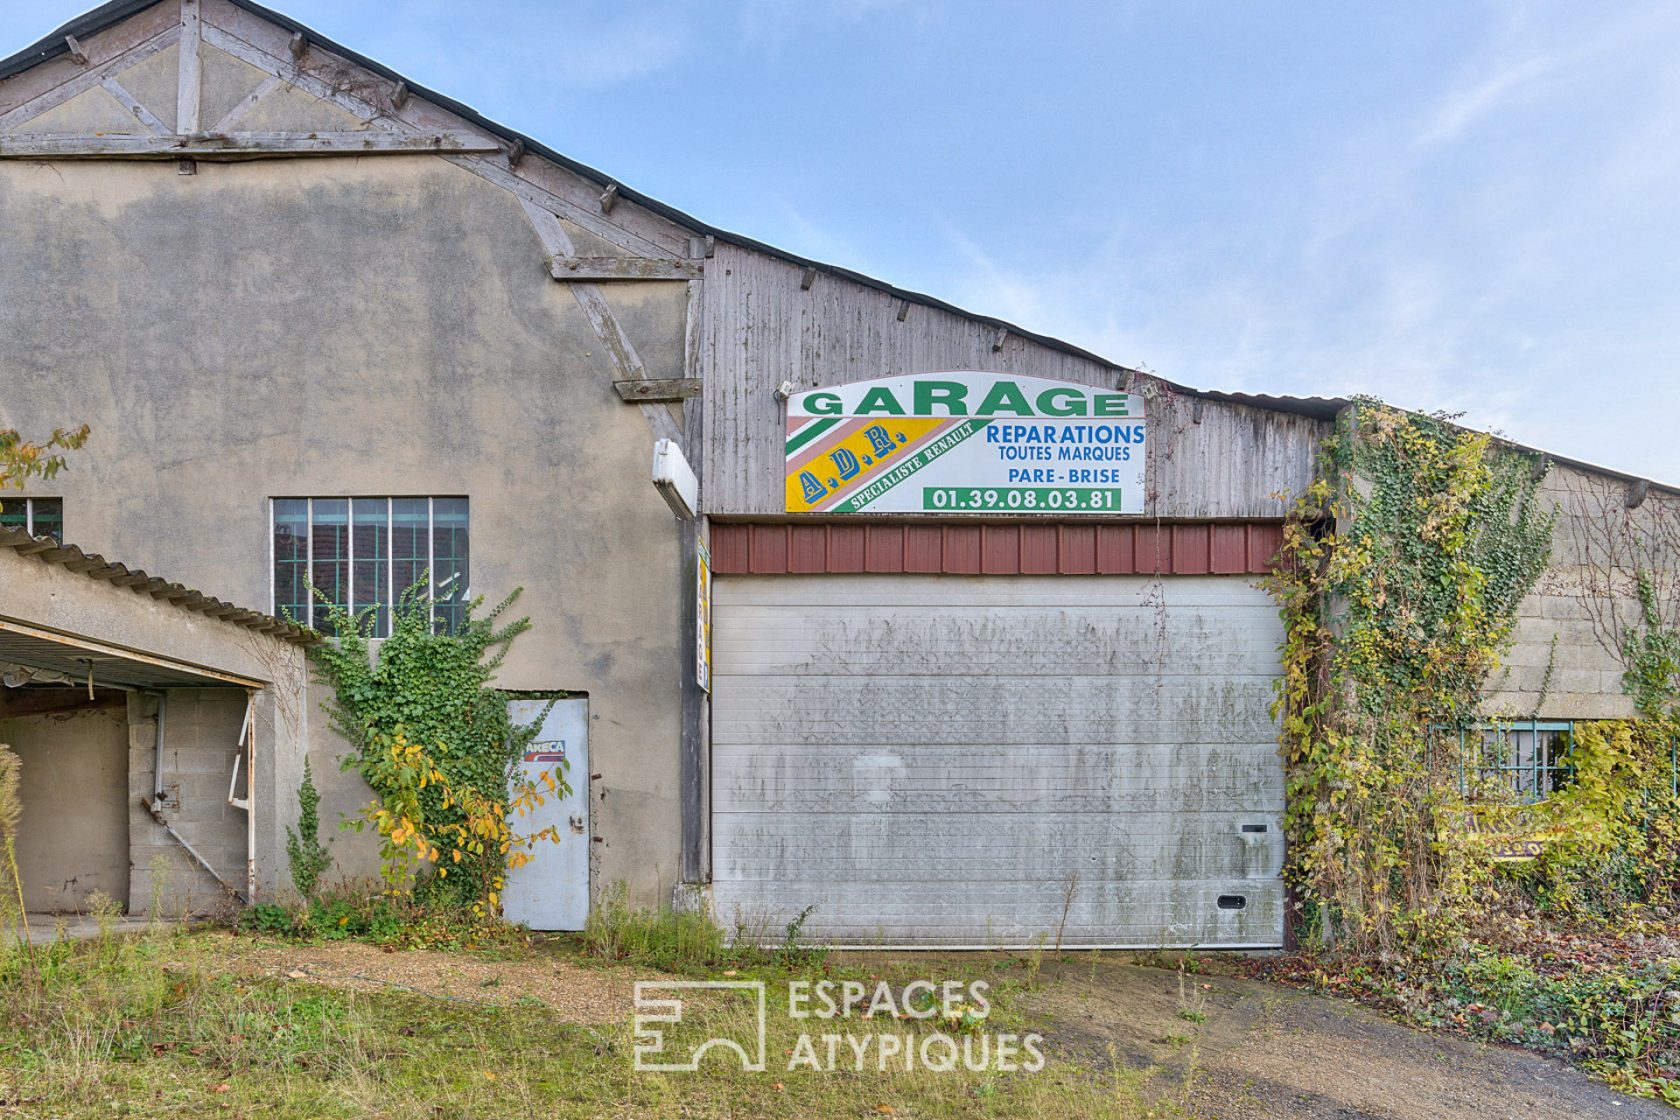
point(989, 762)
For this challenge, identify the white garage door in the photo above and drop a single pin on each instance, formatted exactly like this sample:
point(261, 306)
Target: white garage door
point(955, 761)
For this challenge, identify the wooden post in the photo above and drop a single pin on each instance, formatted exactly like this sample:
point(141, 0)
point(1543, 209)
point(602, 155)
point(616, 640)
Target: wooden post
point(188, 96)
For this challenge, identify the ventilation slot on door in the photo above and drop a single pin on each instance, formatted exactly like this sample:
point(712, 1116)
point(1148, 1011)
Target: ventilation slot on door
point(1254, 828)
point(1232, 902)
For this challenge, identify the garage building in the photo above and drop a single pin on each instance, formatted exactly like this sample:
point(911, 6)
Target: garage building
point(944, 633)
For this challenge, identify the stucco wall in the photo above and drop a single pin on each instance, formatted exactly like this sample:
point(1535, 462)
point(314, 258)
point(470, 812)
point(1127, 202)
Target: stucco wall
point(341, 327)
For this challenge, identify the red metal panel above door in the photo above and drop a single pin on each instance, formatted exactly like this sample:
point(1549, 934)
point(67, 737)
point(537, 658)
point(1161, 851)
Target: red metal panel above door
point(1226, 548)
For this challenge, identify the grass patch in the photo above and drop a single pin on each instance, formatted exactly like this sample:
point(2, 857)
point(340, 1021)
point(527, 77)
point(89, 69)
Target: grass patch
point(160, 1025)
point(689, 942)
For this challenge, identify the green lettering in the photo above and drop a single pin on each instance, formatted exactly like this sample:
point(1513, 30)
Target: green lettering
point(950, 394)
point(879, 401)
point(1005, 396)
point(1111, 404)
point(822, 404)
point(1073, 402)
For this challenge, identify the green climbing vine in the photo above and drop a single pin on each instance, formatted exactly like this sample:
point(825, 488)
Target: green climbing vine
point(434, 741)
point(307, 857)
point(1398, 583)
point(1651, 654)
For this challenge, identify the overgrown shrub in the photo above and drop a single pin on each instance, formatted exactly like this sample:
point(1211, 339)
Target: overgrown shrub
point(1398, 582)
point(433, 740)
point(391, 921)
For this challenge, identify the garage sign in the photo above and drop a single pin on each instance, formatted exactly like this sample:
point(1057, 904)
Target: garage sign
point(965, 442)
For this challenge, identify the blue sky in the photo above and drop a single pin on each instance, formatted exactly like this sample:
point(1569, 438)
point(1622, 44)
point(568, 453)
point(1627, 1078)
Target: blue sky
point(1462, 206)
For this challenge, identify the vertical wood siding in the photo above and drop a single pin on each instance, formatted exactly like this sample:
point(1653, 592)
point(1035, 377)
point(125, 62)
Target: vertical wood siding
point(761, 328)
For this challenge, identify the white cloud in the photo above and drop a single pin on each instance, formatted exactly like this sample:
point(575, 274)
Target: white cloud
point(1504, 241)
point(1463, 107)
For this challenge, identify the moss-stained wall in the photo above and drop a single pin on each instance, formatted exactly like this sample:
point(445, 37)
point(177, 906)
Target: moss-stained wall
point(360, 326)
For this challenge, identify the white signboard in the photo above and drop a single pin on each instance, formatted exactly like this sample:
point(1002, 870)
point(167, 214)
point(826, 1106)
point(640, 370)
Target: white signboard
point(965, 442)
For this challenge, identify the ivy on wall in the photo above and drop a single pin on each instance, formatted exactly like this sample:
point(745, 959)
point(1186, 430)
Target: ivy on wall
point(1398, 582)
point(434, 741)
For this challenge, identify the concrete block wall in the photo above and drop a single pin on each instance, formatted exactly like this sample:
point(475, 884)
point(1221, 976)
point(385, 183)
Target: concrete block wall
point(73, 838)
point(1563, 662)
point(1556, 667)
point(201, 735)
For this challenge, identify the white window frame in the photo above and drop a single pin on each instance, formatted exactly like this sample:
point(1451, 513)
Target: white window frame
point(29, 513)
point(350, 501)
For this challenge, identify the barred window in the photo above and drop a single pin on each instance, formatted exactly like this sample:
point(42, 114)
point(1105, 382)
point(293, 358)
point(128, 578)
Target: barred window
point(362, 553)
point(40, 517)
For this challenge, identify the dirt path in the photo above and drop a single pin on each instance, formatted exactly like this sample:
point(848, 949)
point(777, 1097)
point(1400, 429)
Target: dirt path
point(1265, 1051)
point(576, 993)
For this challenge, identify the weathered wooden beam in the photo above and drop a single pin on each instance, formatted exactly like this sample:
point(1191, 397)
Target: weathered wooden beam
point(298, 45)
point(190, 86)
point(244, 145)
point(399, 95)
point(75, 51)
point(265, 87)
point(516, 152)
point(596, 269)
point(1637, 491)
point(662, 389)
point(999, 339)
point(620, 351)
point(807, 278)
point(609, 198)
point(142, 114)
point(903, 310)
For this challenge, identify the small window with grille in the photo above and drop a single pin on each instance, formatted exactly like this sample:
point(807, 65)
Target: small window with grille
point(1525, 761)
point(39, 517)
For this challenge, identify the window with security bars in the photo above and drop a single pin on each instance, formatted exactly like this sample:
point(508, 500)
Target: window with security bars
point(39, 517)
point(1523, 761)
point(1529, 758)
point(363, 553)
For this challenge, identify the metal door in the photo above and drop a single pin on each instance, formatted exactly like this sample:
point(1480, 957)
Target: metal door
point(952, 762)
point(552, 891)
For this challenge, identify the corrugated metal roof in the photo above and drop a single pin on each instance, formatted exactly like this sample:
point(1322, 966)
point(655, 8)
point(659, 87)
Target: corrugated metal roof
point(96, 567)
point(104, 666)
